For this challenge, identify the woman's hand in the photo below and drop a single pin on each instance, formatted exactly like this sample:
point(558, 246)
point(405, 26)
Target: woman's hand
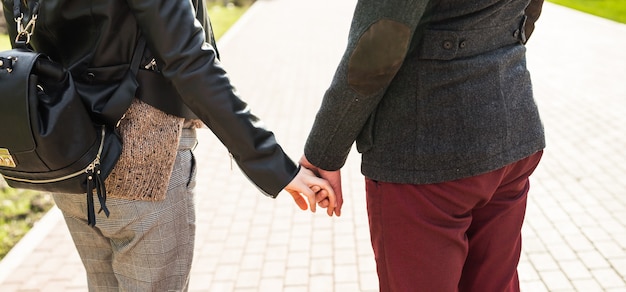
point(333, 177)
point(315, 189)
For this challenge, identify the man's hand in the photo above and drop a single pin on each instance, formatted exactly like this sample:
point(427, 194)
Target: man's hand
point(315, 189)
point(334, 178)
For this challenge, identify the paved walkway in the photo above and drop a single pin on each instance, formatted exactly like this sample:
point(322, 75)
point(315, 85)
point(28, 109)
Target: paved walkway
point(282, 55)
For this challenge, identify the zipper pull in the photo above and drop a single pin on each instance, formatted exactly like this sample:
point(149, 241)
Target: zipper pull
point(101, 191)
point(152, 65)
point(91, 214)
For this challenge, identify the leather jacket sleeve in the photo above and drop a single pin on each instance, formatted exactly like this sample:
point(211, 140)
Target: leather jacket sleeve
point(178, 42)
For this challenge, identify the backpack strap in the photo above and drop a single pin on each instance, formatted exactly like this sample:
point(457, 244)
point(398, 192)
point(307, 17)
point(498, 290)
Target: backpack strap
point(120, 101)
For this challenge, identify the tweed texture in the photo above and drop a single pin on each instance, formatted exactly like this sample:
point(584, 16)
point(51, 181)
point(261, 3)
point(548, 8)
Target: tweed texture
point(460, 105)
point(150, 138)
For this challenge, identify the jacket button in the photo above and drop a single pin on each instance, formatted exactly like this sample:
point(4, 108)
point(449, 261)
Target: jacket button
point(447, 45)
point(462, 44)
point(90, 76)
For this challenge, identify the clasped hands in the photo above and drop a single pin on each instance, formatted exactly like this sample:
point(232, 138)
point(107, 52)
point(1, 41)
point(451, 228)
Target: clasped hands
point(320, 187)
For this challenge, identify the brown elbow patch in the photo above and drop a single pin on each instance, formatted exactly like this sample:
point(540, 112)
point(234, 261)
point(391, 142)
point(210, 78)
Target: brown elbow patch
point(378, 56)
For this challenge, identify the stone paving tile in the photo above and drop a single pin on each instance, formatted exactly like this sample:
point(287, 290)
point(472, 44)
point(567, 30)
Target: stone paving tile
point(281, 56)
point(574, 226)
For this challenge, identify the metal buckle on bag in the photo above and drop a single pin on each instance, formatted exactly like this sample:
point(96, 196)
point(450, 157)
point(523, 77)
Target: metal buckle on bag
point(25, 31)
point(152, 65)
point(7, 63)
point(6, 159)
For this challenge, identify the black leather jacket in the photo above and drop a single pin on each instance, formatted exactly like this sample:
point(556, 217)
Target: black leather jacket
point(95, 41)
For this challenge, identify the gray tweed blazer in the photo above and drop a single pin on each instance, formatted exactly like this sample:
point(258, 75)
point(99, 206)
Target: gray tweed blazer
point(431, 91)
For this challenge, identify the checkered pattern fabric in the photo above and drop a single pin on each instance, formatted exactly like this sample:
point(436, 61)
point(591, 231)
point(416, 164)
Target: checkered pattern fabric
point(143, 245)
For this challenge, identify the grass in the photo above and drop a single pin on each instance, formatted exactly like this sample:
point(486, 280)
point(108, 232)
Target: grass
point(5, 44)
point(223, 17)
point(610, 9)
point(20, 209)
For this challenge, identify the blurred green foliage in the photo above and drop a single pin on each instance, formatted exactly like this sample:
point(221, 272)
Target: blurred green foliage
point(610, 9)
point(19, 210)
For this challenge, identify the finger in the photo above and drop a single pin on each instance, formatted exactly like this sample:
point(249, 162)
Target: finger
point(325, 194)
point(321, 195)
point(326, 200)
point(322, 199)
point(334, 179)
point(299, 200)
point(338, 203)
point(310, 196)
point(338, 206)
point(332, 201)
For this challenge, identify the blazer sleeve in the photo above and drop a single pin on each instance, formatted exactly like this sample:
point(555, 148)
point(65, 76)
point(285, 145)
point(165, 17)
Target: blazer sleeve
point(178, 41)
point(532, 12)
point(378, 41)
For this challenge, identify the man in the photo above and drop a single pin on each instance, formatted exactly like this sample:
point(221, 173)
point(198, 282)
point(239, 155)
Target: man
point(437, 96)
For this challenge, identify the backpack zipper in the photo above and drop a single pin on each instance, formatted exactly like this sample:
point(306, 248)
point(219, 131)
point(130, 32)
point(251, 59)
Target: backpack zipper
point(89, 169)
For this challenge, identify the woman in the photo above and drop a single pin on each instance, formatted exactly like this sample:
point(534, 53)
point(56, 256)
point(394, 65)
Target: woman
point(146, 244)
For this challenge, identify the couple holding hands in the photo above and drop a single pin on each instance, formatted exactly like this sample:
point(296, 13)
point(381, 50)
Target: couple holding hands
point(436, 95)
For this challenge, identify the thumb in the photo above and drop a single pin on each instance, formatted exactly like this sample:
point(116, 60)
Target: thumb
point(299, 200)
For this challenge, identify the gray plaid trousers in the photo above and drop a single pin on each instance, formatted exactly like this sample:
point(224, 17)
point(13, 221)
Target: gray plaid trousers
point(143, 245)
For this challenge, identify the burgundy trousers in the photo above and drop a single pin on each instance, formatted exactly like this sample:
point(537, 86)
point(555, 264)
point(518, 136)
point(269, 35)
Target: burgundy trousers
point(462, 235)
